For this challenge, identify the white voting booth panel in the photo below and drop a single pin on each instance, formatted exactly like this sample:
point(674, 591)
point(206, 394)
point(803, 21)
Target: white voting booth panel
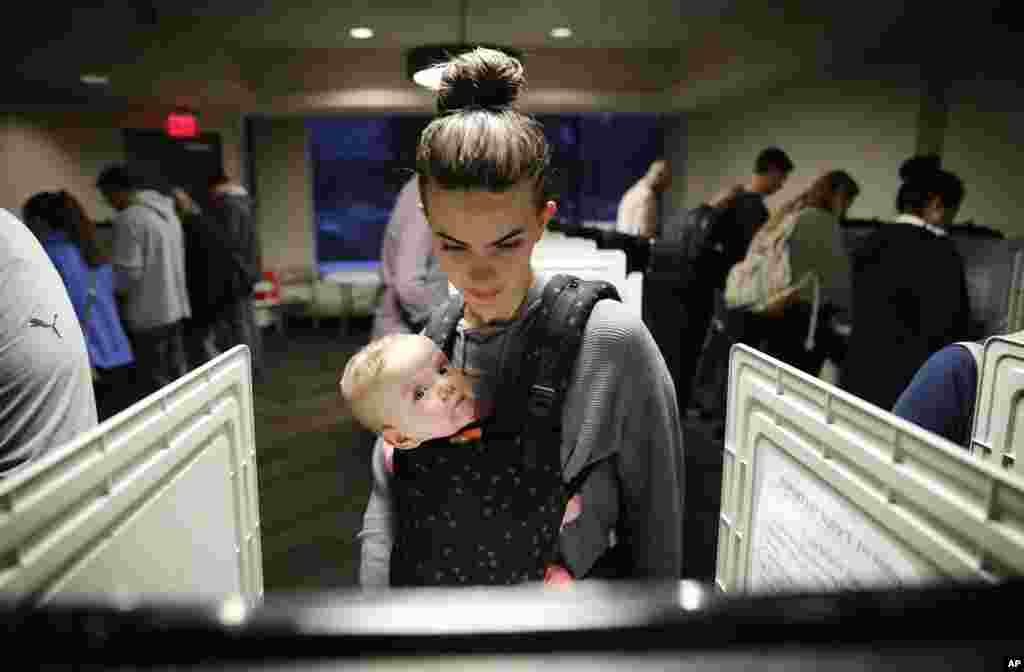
point(998, 430)
point(608, 265)
point(556, 245)
point(823, 491)
point(159, 502)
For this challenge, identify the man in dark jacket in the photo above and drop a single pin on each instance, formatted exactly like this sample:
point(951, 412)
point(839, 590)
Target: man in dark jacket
point(209, 274)
point(231, 210)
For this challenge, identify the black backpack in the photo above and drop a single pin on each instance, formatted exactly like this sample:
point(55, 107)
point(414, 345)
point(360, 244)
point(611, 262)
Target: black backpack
point(697, 251)
point(437, 485)
point(554, 341)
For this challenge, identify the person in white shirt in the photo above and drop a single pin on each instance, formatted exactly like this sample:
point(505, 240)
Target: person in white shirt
point(638, 210)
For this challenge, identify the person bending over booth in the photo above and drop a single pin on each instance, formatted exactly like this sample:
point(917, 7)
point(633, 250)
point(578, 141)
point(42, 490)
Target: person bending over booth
point(578, 388)
point(909, 290)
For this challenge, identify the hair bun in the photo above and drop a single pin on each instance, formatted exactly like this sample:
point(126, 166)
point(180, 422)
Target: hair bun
point(485, 78)
point(920, 166)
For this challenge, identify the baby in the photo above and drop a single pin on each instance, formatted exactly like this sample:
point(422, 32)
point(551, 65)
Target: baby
point(403, 387)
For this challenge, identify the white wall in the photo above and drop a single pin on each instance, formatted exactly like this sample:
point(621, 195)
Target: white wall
point(284, 189)
point(864, 126)
point(46, 150)
point(984, 145)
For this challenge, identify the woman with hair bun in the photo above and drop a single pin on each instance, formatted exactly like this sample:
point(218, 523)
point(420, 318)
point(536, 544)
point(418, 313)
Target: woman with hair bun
point(909, 291)
point(482, 512)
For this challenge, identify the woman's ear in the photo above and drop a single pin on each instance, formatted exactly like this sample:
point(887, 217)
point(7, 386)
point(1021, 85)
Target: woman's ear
point(547, 212)
point(550, 210)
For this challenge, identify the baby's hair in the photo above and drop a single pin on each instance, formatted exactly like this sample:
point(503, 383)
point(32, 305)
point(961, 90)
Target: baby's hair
point(361, 372)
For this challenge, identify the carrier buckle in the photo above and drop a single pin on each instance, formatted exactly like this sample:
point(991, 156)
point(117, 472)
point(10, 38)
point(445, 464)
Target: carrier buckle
point(541, 400)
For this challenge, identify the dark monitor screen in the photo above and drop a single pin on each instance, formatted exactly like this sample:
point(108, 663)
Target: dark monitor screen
point(624, 626)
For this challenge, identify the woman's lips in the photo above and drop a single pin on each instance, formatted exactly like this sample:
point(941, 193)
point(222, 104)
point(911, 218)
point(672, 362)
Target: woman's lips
point(482, 296)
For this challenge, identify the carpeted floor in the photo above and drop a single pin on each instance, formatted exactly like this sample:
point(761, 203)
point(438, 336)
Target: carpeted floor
point(314, 466)
point(313, 461)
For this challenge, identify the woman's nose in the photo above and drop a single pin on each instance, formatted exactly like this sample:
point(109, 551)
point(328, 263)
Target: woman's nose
point(481, 272)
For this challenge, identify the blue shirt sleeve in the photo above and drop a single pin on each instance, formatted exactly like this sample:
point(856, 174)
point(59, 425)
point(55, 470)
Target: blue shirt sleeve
point(941, 395)
point(69, 264)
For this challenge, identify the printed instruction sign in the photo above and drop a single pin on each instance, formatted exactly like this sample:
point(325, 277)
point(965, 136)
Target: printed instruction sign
point(806, 536)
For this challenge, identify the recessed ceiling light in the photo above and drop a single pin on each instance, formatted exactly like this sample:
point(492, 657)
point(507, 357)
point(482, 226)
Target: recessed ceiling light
point(361, 33)
point(95, 80)
point(561, 32)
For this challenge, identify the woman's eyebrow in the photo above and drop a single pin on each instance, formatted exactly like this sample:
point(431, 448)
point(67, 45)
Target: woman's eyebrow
point(497, 242)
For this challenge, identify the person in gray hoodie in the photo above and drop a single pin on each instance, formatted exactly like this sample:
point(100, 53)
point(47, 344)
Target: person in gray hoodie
point(149, 274)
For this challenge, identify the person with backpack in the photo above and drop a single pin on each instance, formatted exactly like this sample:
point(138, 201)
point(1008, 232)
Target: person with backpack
point(800, 249)
point(583, 405)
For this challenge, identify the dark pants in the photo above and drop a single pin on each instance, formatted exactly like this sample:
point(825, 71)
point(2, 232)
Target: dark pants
point(116, 389)
point(780, 337)
point(159, 356)
point(236, 325)
point(200, 343)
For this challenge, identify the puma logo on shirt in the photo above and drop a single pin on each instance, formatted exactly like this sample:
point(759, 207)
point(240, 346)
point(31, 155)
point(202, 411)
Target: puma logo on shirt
point(36, 322)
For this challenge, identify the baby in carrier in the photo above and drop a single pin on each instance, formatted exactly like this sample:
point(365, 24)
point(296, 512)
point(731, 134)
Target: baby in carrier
point(470, 509)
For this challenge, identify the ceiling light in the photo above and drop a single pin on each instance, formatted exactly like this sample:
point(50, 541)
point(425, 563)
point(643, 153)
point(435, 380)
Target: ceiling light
point(361, 33)
point(95, 80)
point(561, 32)
point(422, 63)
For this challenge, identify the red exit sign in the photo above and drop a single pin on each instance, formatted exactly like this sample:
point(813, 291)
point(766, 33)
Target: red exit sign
point(182, 125)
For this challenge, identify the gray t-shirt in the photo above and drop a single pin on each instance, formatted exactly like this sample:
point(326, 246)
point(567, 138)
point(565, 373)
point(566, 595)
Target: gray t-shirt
point(149, 263)
point(620, 417)
point(46, 395)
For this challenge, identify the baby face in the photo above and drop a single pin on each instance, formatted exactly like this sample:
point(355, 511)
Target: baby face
point(427, 397)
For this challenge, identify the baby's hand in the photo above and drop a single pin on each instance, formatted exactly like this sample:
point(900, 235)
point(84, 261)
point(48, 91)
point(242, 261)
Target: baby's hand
point(470, 372)
point(558, 576)
point(389, 462)
point(573, 509)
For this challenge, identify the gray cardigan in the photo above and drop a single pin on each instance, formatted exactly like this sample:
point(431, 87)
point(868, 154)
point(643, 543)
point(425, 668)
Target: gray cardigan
point(620, 415)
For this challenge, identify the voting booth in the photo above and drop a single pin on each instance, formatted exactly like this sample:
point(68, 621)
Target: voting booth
point(593, 264)
point(997, 436)
point(822, 491)
point(158, 503)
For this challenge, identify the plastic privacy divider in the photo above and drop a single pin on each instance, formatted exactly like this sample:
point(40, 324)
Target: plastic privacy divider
point(608, 265)
point(994, 271)
point(998, 433)
point(159, 502)
point(548, 245)
point(823, 491)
